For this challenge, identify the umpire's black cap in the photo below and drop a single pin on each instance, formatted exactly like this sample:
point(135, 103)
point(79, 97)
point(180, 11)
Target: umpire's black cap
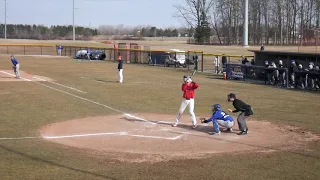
point(231, 95)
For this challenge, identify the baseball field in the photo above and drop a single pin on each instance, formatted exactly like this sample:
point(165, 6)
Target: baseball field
point(67, 119)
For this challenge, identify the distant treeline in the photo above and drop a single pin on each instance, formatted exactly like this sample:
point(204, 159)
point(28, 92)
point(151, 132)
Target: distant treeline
point(142, 31)
point(40, 32)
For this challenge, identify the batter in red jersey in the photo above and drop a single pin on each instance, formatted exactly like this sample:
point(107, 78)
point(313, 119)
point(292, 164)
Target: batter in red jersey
point(188, 88)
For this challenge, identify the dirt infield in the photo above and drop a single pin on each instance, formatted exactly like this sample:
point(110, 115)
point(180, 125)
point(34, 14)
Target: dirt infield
point(8, 75)
point(153, 139)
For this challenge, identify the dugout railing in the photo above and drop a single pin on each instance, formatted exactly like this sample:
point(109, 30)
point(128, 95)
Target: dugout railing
point(246, 72)
point(307, 79)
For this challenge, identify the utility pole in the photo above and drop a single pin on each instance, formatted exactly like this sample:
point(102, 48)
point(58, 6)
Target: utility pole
point(5, 19)
point(245, 24)
point(74, 29)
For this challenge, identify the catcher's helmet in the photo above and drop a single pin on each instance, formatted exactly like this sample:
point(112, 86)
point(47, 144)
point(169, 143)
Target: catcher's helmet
point(216, 107)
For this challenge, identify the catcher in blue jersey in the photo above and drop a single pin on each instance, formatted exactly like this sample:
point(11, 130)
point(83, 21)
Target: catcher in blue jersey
point(219, 118)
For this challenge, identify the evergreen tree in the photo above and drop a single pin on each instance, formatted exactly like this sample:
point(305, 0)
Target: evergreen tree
point(203, 30)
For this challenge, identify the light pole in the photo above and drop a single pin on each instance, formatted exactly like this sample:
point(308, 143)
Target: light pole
point(74, 29)
point(5, 19)
point(245, 24)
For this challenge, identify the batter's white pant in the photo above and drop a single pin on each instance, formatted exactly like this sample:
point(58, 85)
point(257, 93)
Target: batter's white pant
point(120, 75)
point(17, 71)
point(183, 106)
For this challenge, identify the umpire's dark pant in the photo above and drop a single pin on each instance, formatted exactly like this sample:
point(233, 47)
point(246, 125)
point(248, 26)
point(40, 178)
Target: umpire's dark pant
point(242, 122)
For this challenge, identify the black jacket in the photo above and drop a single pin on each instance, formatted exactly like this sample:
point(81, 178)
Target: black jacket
point(120, 63)
point(281, 66)
point(292, 68)
point(240, 106)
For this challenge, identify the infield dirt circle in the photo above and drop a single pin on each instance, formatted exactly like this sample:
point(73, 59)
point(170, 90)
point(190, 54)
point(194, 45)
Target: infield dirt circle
point(154, 139)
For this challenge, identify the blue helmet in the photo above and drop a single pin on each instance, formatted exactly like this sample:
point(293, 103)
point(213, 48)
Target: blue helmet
point(216, 107)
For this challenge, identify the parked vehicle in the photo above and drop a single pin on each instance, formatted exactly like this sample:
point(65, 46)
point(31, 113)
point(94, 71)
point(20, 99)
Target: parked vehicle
point(175, 57)
point(94, 55)
point(81, 54)
point(97, 55)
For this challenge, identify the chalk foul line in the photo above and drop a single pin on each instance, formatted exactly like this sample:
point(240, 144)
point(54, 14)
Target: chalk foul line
point(19, 138)
point(45, 81)
point(59, 84)
point(97, 134)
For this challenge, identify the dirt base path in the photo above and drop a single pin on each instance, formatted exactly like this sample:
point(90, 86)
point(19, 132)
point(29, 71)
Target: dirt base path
point(155, 140)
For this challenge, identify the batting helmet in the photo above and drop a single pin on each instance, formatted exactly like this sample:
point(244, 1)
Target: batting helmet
point(186, 78)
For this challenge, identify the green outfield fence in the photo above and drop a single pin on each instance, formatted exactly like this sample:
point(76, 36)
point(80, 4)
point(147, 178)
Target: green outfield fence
point(130, 55)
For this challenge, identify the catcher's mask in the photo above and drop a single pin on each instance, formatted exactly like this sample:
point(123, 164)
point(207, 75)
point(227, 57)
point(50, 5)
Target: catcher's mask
point(231, 95)
point(216, 107)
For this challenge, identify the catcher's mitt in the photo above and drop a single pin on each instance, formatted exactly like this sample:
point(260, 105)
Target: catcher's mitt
point(202, 120)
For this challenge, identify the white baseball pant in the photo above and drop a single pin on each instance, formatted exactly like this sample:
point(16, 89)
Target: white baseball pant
point(184, 104)
point(17, 71)
point(120, 75)
point(226, 124)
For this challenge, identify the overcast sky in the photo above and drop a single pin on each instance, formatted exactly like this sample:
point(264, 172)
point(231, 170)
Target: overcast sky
point(92, 12)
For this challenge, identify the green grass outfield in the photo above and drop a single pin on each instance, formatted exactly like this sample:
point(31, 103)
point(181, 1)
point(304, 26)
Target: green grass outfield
point(27, 106)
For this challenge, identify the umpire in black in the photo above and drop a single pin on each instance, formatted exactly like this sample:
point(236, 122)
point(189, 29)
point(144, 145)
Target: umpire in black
point(245, 110)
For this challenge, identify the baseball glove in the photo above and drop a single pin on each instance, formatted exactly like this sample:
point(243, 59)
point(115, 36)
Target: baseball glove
point(14, 68)
point(202, 120)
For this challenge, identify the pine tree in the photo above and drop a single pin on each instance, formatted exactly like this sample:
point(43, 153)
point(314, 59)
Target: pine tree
point(203, 31)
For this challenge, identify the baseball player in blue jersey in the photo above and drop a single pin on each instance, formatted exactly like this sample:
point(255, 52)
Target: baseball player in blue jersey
point(219, 118)
point(16, 66)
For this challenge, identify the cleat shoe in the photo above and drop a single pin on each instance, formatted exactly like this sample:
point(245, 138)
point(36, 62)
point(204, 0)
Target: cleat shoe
point(243, 133)
point(194, 126)
point(229, 130)
point(214, 133)
point(175, 125)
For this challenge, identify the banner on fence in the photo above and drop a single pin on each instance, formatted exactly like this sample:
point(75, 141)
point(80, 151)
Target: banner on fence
point(235, 72)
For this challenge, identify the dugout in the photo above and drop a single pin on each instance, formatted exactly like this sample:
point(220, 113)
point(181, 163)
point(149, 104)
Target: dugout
point(300, 57)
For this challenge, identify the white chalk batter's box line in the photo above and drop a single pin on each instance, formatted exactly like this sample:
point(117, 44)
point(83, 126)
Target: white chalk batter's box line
point(114, 134)
point(99, 134)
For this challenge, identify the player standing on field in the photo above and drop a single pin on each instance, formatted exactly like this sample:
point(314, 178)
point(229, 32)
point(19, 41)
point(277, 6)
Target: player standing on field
point(195, 59)
point(16, 66)
point(188, 88)
point(120, 63)
point(245, 110)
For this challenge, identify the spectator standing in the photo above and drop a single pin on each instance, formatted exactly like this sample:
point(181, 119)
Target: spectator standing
point(292, 68)
point(195, 60)
point(317, 80)
point(88, 53)
point(262, 48)
point(216, 63)
point(301, 77)
point(311, 78)
point(282, 74)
